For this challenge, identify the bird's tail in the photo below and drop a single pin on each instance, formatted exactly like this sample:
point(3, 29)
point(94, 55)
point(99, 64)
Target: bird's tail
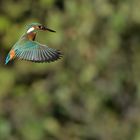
point(7, 59)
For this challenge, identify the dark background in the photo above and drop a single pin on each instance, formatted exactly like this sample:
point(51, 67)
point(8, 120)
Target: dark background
point(93, 92)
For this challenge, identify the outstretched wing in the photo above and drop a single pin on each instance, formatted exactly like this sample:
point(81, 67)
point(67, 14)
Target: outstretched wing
point(36, 52)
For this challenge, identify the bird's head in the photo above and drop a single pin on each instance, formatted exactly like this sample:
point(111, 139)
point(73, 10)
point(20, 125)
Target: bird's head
point(34, 27)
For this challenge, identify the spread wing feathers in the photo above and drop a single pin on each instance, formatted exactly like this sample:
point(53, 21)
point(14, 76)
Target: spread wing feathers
point(35, 52)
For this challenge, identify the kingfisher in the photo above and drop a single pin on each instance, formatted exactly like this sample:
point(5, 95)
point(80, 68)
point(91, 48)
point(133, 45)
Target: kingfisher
point(26, 48)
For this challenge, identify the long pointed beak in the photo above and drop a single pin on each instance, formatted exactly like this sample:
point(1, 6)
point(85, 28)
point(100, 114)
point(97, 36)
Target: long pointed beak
point(47, 29)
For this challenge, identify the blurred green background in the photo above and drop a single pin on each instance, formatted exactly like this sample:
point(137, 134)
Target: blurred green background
point(93, 92)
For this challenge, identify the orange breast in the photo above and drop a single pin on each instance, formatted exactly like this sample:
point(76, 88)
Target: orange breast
point(12, 54)
point(31, 36)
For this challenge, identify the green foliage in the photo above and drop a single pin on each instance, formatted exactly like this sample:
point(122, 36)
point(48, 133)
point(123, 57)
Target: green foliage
point(93, 92)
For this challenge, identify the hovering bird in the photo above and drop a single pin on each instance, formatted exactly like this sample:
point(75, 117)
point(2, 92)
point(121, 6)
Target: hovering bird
point(26, 48)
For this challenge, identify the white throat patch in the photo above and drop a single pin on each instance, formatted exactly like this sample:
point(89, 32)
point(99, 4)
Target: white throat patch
point(30, 30)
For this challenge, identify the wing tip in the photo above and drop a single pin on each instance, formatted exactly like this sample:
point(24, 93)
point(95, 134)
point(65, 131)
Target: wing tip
point(58, 55)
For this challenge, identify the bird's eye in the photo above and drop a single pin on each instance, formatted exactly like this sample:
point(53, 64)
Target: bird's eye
point(39, 27)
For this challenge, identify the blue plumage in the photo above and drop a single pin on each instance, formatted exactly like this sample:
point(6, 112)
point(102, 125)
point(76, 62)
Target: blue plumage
point(7, 59)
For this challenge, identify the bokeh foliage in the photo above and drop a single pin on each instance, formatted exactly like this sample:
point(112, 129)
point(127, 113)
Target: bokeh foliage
point(93, 92)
